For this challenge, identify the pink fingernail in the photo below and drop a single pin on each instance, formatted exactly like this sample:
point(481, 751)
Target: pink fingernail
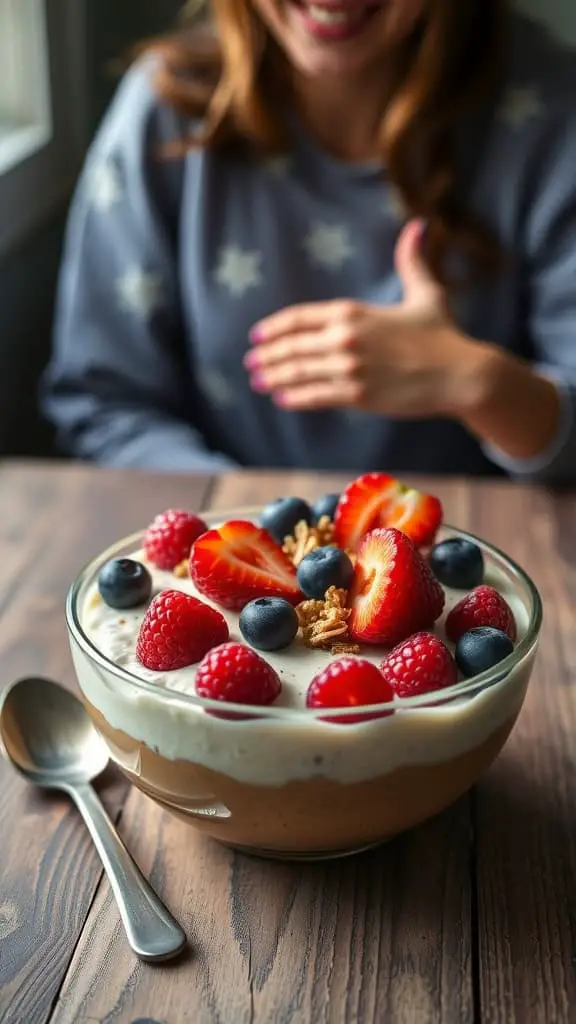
point(256, 335)
point(257, 382)
point(251, 361)
point(280, 400)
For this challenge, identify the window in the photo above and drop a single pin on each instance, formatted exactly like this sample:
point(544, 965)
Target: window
point(25, 101)
point(42, 110)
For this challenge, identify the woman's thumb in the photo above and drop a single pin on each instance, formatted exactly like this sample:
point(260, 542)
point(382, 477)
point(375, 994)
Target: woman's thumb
point(419, 287)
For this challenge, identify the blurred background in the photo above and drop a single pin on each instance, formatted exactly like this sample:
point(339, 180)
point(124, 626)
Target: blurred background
point(58, 67)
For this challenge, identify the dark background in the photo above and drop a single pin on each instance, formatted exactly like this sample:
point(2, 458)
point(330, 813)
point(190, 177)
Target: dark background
point(28, 275)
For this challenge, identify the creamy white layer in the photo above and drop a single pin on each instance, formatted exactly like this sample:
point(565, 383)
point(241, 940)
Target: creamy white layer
point(275, 751)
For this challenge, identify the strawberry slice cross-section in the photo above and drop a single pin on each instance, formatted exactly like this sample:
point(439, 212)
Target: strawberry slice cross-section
point(379, 500)
point(394, 593)
point(237, 562)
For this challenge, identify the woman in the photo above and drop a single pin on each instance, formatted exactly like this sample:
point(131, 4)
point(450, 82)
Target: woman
point(334, 235)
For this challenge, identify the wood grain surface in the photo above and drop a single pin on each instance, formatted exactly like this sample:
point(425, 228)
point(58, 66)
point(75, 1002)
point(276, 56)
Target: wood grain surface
point(52, 521)
point(465, 920)
point(525, 809)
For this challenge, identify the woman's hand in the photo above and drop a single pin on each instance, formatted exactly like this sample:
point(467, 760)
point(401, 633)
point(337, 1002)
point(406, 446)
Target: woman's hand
point(405, 361)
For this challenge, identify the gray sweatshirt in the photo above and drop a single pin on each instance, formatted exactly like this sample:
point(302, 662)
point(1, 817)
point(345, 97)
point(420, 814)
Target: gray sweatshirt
point(169, 263)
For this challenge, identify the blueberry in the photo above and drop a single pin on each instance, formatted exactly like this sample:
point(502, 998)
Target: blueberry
point(124, 583)
point(324, 568)
point(281, 516)
point(481, 648)
point(268, 623)
point(457, 563)
point(325, 506)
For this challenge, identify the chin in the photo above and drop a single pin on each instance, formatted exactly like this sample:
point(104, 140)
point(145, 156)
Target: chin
point(323, 65)
point(339, 37)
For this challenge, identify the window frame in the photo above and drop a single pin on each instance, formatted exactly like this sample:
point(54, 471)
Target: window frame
point(42, 157)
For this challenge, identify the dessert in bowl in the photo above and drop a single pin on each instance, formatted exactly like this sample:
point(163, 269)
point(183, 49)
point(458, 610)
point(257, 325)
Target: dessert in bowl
point(305, 682)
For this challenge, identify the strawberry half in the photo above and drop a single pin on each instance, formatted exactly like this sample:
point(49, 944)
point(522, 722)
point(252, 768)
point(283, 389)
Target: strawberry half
point(238, 562)
point(379, 500)
point(394, 593)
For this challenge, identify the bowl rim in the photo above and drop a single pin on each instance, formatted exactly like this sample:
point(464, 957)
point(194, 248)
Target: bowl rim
point(464, 688)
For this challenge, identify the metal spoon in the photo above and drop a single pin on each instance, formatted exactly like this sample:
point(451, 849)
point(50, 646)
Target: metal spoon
point(49, 738)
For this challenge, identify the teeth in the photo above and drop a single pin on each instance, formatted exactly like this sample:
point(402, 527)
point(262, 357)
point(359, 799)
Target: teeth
point(326, 17)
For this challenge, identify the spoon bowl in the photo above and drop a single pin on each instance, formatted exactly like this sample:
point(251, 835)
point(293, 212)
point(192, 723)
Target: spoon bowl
point(48, 736)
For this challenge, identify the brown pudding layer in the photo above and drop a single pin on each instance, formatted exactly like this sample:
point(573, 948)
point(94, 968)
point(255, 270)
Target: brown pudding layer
point(303, 817)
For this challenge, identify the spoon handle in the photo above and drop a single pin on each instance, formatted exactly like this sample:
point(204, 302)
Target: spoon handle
point(151, 930)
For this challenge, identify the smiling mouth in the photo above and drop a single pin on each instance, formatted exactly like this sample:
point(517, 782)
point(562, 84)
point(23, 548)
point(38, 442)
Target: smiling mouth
point(336, 20)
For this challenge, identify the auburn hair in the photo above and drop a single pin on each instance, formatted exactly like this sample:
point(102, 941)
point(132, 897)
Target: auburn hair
point(225, 71)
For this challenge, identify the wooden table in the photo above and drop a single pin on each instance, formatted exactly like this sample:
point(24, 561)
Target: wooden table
point(470, 918)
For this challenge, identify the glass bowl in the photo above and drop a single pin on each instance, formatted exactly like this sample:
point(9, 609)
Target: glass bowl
point(288, 782)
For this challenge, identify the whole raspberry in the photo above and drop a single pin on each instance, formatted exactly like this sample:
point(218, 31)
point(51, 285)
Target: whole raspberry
point(178, 630)
point(169, 539)
point(421, 664)
point(483, 606)
point(350, 683)
point(236, 674)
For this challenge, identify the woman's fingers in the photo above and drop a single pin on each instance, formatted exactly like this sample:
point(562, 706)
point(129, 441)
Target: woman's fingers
point(294, 372)
point(298, 346)
point(311, 316)
point(321, 395)
point(335, 340)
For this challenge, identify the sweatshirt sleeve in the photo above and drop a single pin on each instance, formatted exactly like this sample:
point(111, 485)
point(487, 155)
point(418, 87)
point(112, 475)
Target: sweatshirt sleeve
point(549, 251)
point(118, 384)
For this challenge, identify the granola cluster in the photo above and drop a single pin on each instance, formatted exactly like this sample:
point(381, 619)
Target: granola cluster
point(324, 624)
point(307, 538)
point(182, 571)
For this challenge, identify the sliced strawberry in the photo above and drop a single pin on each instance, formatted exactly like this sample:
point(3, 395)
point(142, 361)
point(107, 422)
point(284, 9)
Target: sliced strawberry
point(238, 562)
point(379, 500)
point(394, 593)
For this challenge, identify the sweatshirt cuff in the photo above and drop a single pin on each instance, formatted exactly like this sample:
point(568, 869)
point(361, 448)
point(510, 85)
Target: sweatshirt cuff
point(538, 464)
